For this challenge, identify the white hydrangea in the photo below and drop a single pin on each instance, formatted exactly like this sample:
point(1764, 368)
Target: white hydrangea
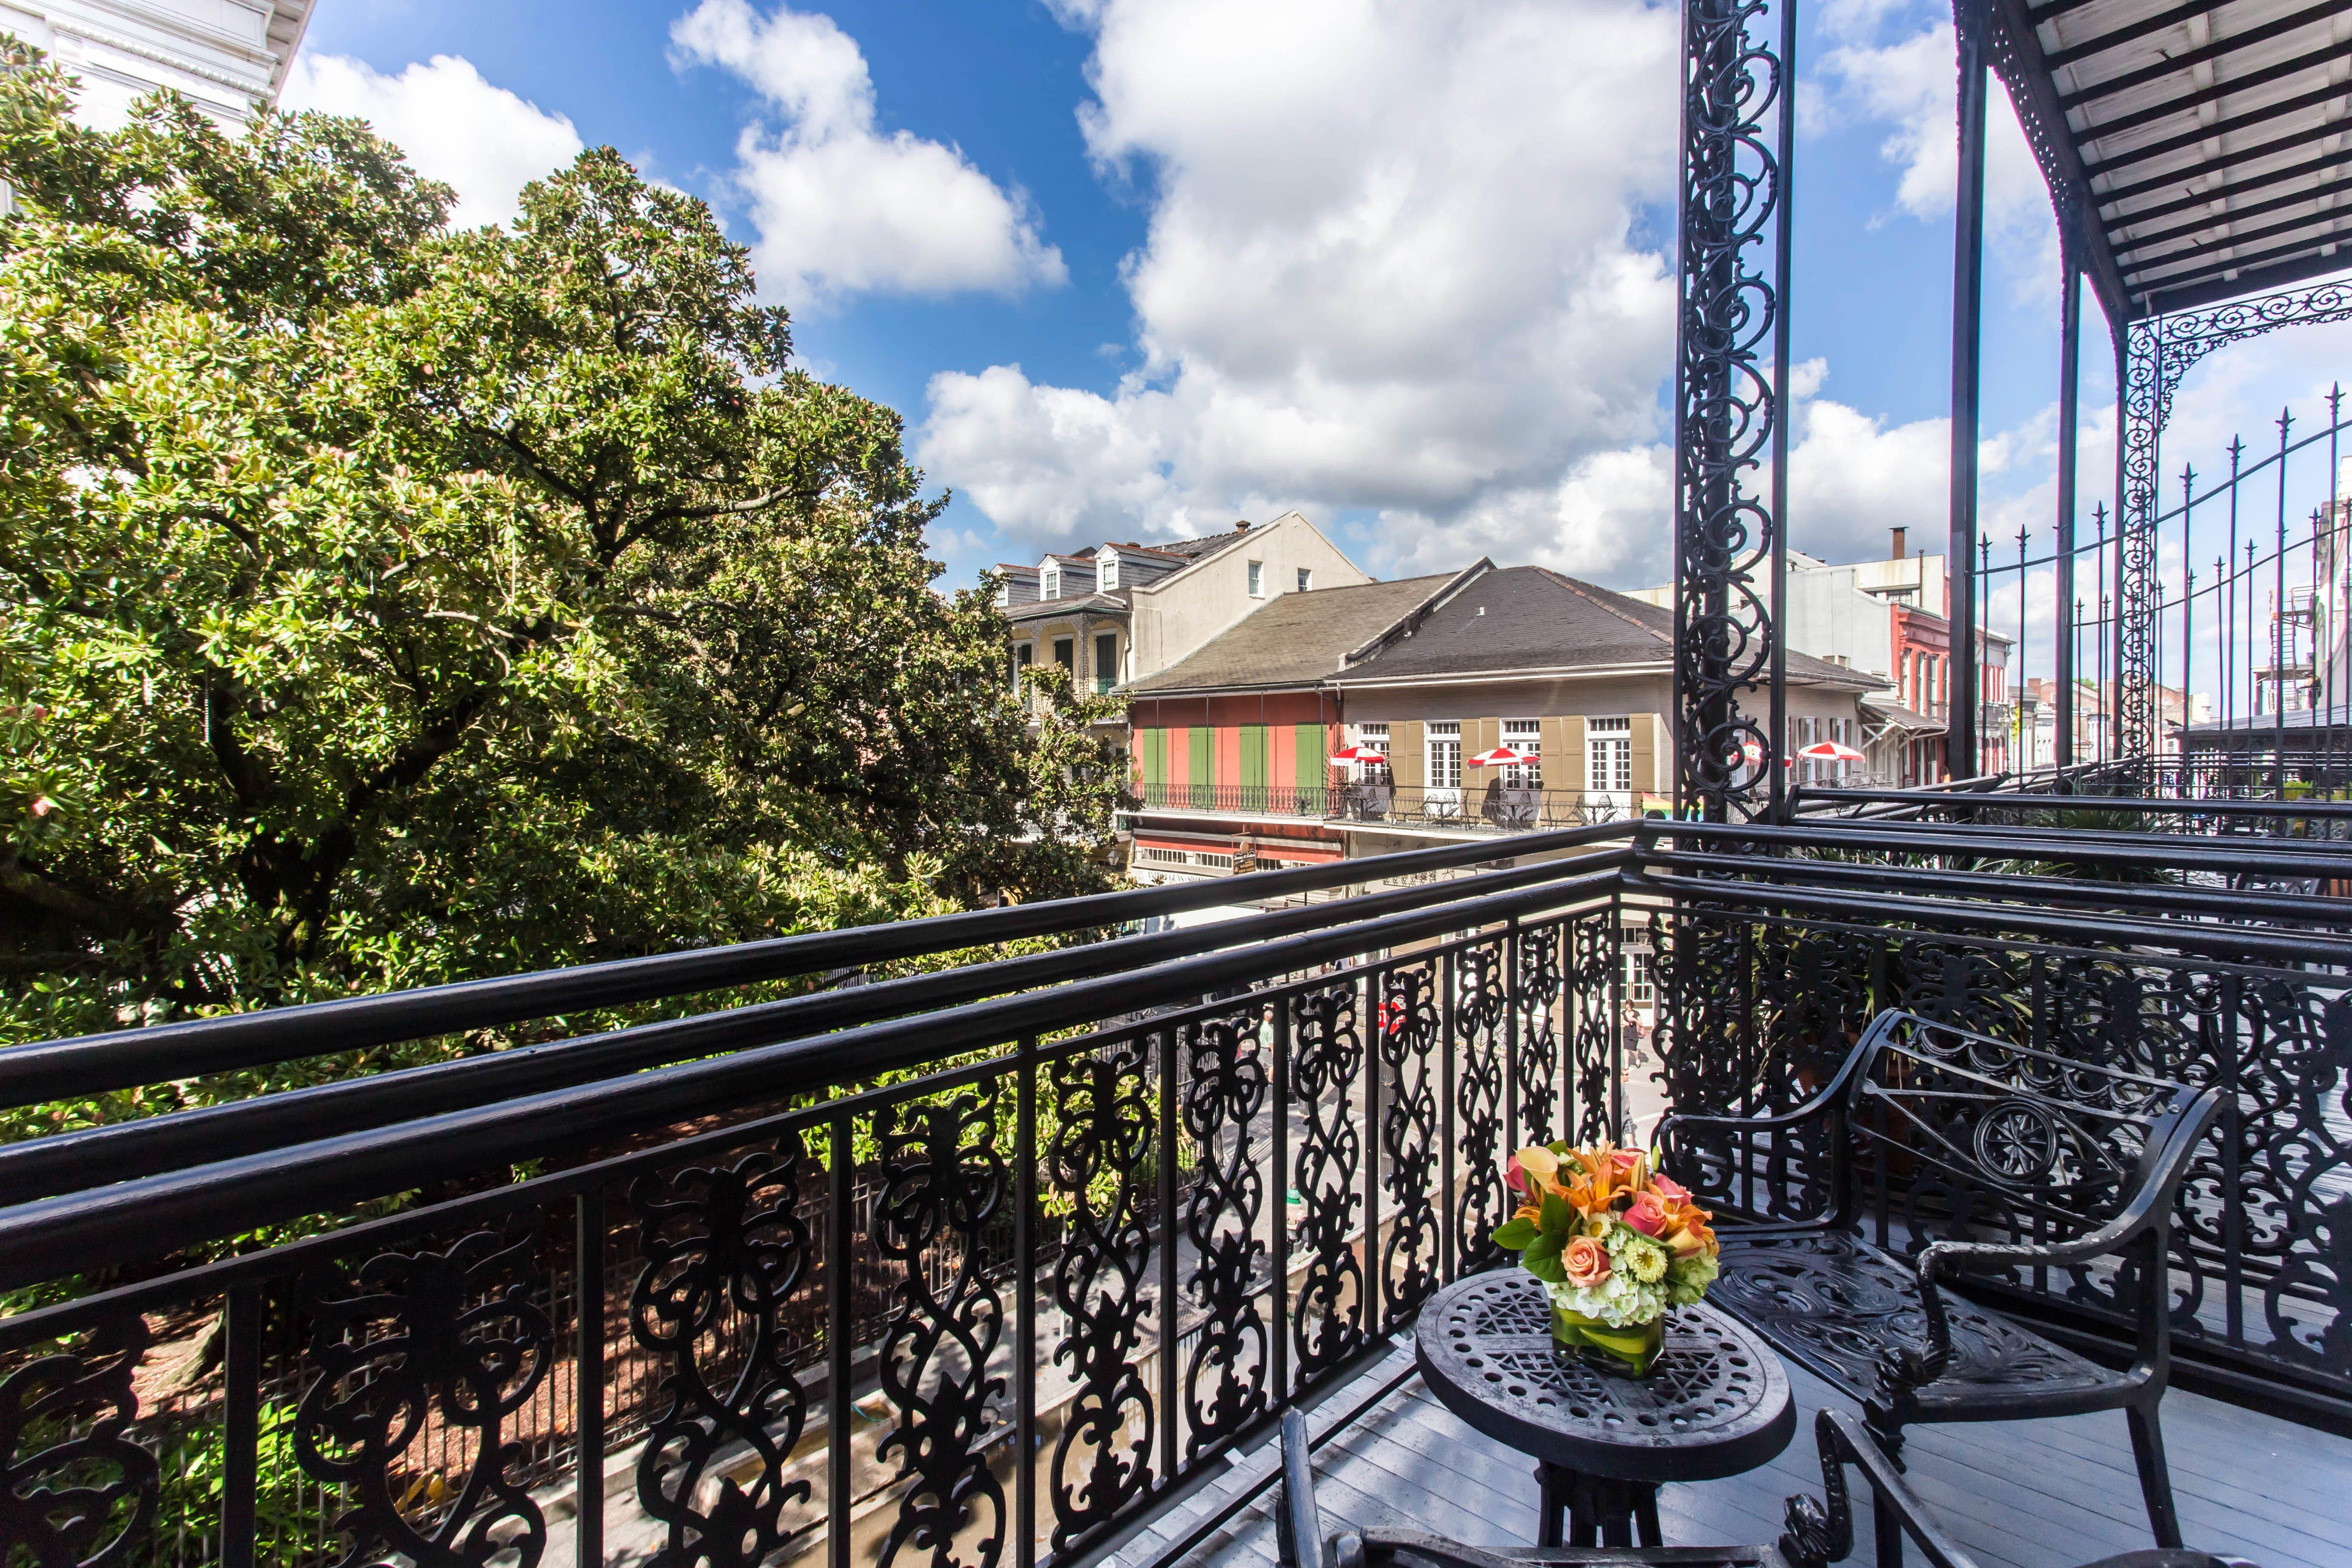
point(1620, 1300)
point(1688, 1278)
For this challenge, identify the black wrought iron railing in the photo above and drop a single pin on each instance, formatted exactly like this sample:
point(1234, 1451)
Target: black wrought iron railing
point(988, 1265)
point(1000, 1257)
point(1477, 808)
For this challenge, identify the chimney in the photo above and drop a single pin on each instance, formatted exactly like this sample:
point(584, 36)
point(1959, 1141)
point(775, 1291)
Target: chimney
point(1242, 527)
point(1896, 553)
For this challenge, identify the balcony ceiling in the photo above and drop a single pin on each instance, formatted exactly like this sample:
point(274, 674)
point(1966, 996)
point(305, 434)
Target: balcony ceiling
point(2196, 151)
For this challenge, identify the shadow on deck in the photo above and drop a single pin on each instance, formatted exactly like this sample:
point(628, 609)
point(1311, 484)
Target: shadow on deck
point(2025, 1494)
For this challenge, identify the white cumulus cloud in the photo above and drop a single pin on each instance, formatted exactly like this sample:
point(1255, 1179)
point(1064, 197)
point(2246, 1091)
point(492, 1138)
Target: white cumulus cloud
point(840, 205)
point(1910, 85)
point(456, 127)
point(1392, 266)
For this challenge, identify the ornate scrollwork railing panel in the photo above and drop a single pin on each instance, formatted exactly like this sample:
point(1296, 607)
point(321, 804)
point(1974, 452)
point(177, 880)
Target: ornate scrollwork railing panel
point(413, 1342)
point(1096, 1162)
point(1228, 1372)
point(724, 1251)
point(1408, 1045)
point(77, 1491)
point(942, 1183)
point(1536, 994)
point(1327, 1059)
point(1481, 999)
point(1593, 1046)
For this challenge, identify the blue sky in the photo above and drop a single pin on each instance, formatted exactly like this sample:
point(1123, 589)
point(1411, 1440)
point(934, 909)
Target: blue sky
point(1134, 267)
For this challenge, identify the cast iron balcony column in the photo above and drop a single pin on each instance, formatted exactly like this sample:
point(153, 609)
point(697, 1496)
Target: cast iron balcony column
point(1726, 761)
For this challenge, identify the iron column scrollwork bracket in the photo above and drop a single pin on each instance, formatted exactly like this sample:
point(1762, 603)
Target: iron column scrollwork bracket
point(1726, 408)
point(2159, 353)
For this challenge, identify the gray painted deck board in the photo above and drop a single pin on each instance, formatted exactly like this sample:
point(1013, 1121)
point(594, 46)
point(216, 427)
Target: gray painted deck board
point(2032, 1494)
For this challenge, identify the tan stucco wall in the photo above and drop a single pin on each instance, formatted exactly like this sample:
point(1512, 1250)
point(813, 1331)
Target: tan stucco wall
point(1179, 613)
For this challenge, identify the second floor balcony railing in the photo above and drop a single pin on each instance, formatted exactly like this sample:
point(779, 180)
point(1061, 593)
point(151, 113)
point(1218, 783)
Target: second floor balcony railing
point(1016, 1254)
point(1474, 807)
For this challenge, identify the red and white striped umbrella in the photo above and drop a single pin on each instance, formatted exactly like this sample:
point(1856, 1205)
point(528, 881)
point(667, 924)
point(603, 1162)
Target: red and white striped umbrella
point(1499, 757)
point(1831, 751)
point(1360, 754)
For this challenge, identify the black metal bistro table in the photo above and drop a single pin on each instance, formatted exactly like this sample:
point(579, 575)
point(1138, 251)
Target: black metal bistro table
point(1715, 1404)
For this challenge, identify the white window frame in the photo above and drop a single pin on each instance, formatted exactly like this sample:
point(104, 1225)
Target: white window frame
point(1049, 583)
point(1640, 981)
point(1108, 566)
point(1257, 578)
point(1609, 738)
point(1442, 739)
point(1306, 579)
point(1524, 735)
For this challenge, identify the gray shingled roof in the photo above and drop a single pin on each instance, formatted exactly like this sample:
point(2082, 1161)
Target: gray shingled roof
point(1534, 618)
point(1297, 639)
point(1196, 548)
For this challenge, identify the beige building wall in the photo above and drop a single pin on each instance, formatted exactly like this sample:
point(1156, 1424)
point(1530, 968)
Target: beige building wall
point(1180, 613)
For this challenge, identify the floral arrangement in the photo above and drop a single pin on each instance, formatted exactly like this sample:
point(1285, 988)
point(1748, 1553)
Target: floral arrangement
point(1614, 1241)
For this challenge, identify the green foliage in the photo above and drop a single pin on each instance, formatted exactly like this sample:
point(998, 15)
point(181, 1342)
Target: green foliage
point(292, 1516)
point(385, 605)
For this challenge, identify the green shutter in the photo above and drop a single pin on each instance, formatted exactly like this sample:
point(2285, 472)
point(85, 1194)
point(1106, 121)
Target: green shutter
point(1204, 772)
point(1254, 748)
point(1155, 759)
point(1313, 769)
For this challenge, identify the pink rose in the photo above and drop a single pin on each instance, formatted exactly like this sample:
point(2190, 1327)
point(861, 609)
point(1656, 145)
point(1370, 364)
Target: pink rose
point(1586, 1261)
point(1648, 1213)
point(1671, 1190)
point(1626, 1159)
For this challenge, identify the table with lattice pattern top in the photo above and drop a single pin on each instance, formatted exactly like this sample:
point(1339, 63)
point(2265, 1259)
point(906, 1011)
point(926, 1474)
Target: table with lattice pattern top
point(1715, 1404)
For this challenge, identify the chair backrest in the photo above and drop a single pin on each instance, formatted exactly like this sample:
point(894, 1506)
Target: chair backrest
point(1969, 1132)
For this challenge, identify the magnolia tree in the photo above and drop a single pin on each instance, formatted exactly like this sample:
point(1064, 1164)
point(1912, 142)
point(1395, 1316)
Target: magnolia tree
point(385, 605)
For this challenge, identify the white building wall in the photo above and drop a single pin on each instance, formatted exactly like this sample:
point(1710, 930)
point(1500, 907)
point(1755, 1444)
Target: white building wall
point(228, 56)
point(1829, 617)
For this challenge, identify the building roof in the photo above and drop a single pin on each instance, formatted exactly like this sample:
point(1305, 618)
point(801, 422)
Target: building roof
point(1197, 549)
point(1527, 618)
point(1298, 639)
point(1111, 601)
point(2185, 146)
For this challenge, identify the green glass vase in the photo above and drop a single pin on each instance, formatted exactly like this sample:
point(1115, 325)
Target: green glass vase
point(1628, 1351)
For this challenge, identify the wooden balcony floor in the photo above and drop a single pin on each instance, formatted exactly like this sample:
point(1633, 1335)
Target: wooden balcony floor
point(2030, 1494)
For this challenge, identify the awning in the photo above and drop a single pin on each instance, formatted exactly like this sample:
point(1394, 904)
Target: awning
point(1897, 716)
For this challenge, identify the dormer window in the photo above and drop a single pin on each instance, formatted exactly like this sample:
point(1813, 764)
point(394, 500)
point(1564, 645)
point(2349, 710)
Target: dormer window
point(1108, 566)
point(1050, 583)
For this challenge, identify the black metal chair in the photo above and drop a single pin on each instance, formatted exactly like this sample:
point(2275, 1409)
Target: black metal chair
point(1820, 1532)
point(2076, 1165)
point(1301, 1541)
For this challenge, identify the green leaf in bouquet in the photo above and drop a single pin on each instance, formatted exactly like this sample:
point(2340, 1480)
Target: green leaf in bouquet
point(1542, 1260)
point(1558, 1217)
point(1516, 1233)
